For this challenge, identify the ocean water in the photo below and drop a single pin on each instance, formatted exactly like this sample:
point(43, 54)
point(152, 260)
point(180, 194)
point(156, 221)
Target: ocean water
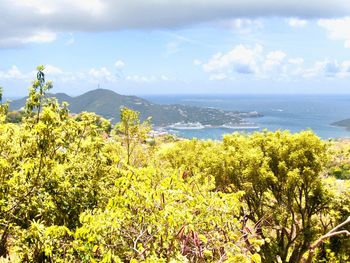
point(284, 112)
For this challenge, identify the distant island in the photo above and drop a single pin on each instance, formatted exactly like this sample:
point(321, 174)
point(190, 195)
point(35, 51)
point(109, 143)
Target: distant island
point(107, 104)
point(343, 123)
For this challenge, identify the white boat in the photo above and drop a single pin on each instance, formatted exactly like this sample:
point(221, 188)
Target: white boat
point(186, 126)
point(241, 126)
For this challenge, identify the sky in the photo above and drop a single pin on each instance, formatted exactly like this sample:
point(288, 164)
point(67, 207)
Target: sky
point(177, 47)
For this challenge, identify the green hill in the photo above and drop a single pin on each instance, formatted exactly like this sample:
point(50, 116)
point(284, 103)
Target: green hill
point(107, 104)
point(343, 123)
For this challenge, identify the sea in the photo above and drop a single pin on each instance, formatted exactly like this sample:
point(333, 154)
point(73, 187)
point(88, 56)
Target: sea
point(280, 112)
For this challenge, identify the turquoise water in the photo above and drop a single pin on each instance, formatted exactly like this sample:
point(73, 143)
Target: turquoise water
point(291, 112)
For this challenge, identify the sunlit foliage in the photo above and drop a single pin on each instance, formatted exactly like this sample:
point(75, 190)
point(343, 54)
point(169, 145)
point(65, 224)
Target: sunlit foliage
point(74, 189)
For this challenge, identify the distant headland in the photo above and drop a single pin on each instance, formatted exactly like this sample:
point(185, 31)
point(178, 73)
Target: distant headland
point(343, 123)
point(107, 104)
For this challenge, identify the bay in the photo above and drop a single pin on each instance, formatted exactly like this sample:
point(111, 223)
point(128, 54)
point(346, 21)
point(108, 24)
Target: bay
point(284, 112)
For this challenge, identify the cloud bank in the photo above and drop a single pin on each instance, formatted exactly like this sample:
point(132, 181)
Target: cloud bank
point(28, 21)
point(255, 62)
point(338, 29)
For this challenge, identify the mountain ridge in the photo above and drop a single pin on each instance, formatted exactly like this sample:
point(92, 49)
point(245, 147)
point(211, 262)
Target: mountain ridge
point(107, 103)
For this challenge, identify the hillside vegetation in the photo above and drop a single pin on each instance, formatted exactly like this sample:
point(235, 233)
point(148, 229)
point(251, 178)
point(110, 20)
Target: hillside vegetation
point(343, 123)
point(77, 189)
point(107, 104)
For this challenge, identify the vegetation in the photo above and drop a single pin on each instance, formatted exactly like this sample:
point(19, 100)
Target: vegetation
point(343, 123)
point(74, 189)
point(107, 104)
point(340, 165)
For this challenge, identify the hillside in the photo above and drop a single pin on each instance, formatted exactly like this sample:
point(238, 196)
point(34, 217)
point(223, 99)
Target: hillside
point(107, 104)
point(343, 123)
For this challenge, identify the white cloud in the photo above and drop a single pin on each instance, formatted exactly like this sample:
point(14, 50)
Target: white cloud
point(148, 79)
point(218, 76)
point(243, 60)
point(276, 55)
point(40, 37)
point(328, 68)
point(119, 64)
point(273, 64)
point(294, 67)
point(167, 78)
point(273, 59)
point(296, 22)
point(338, 29)
point(12, 39)
point(140, 79)
point(102, 73)
point(52, 70)
point(242, 25)
point(197, 62)
point(296, 61)
point(40, 20)
point(240, 59)
point(92, 76)
point(345, 66)
point(12, 73)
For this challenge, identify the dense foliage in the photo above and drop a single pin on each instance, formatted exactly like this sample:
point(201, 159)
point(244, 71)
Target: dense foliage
point(75, 189)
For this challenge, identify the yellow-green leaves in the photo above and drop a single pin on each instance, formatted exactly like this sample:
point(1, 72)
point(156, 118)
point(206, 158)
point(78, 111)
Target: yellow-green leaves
point(40, 68)
point(3, 108)
point(132, 132)
point(158, 214)
point(279, 173)
point(256, 258)
point(72, 191)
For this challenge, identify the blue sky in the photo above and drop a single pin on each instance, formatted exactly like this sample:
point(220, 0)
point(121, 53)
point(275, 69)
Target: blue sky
point(172, 47)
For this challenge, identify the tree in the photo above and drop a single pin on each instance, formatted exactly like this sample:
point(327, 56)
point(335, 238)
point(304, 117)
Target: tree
point(132, 131)
point(52, 168)
point(3, 108)
point(334, 232)
point(37, 93)
point(280, 174)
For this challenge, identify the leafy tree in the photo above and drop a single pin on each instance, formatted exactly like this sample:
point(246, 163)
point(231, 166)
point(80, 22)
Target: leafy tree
point(192, 157)
point(52, 168)
point(37, 93)
point(280, 174)
point(3, 108)
point(334, 248)
point(15, 116)
point(158, 216)
point(132, 131)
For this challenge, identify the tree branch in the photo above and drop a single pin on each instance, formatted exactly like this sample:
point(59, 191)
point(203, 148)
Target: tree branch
point(333, 232)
